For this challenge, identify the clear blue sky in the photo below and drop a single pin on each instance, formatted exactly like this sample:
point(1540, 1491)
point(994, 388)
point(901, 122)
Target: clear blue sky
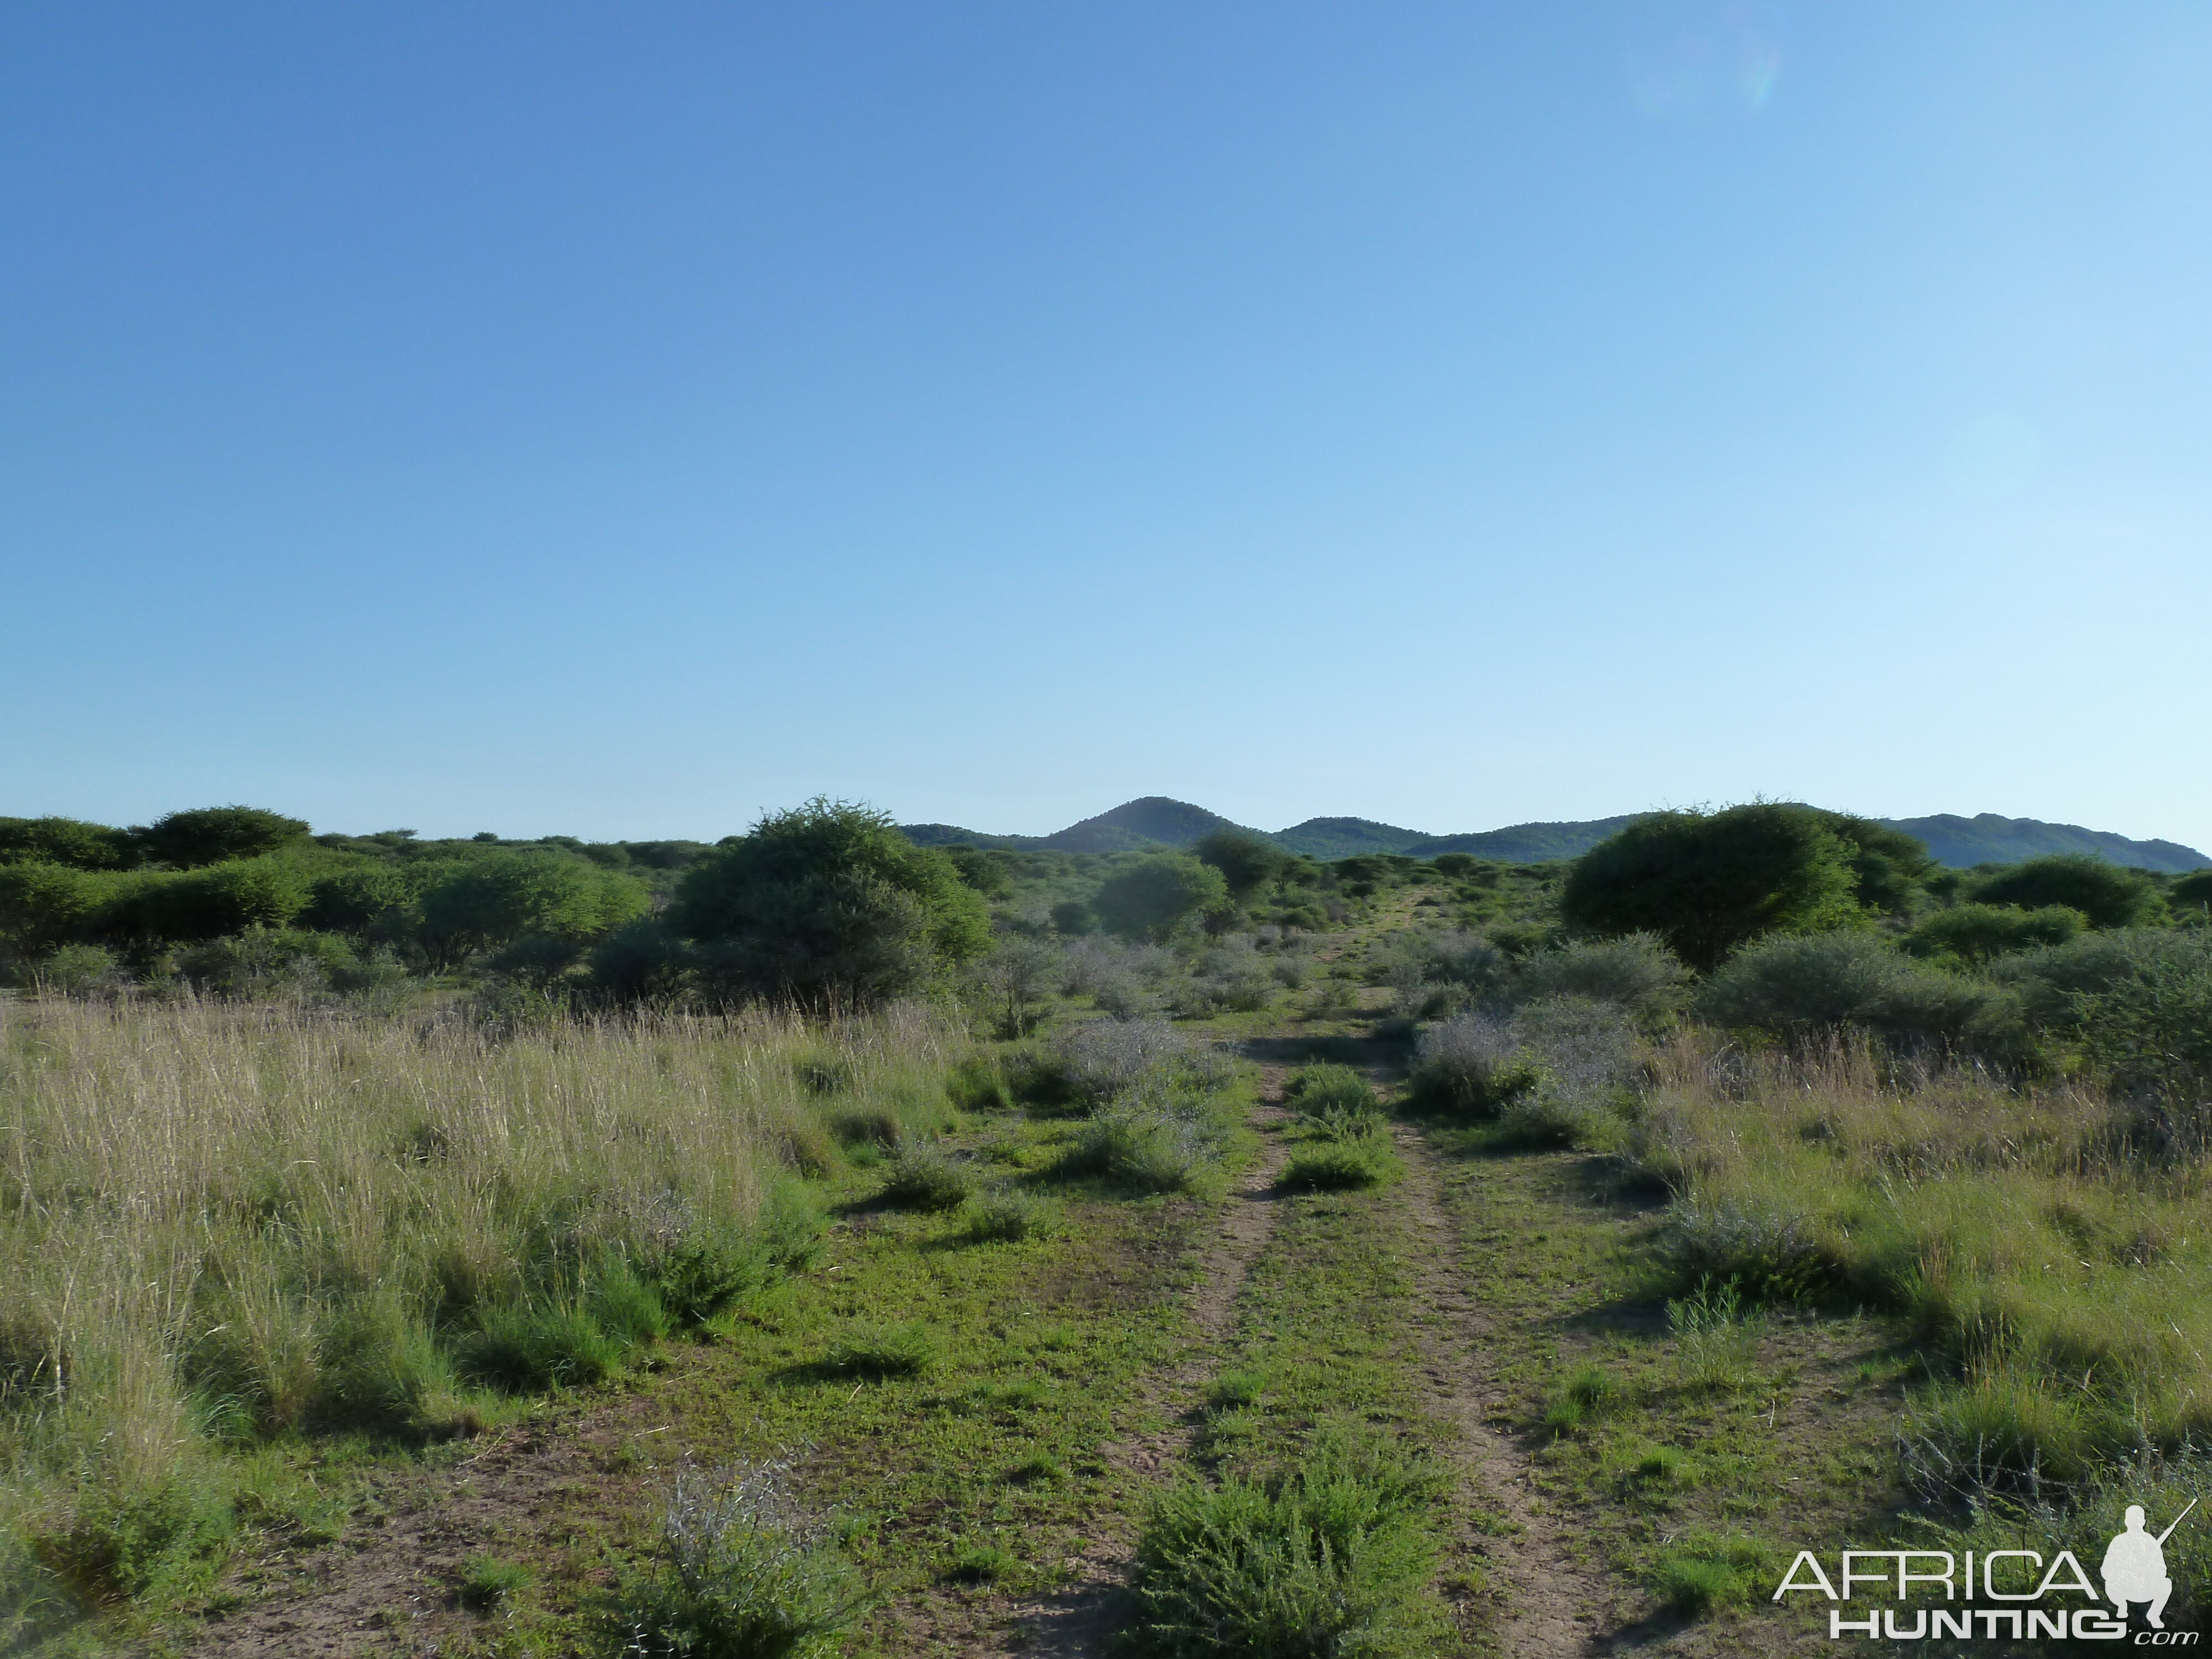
point(621, 419)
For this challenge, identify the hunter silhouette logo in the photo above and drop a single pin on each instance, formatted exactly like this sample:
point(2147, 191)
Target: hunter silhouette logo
point(1993, 1602)
point(2134, 1567)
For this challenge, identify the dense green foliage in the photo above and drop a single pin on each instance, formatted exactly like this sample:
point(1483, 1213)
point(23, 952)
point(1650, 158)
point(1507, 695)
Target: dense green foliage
point(827, 904)
point(1157, 894)
point(69, 841)
point(1246, 862)
point(211, 834)
point(1977, 932)
point(2108, 895)
point(1707, 882)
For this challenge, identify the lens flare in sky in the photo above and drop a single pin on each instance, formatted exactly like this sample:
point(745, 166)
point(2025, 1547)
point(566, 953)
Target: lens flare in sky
point(1703, 59)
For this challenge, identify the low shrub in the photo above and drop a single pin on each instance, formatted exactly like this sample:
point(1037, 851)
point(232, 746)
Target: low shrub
point(1974, 934)
point(709, 1269)
point(1140, 1150)
point(77, 969)
point(978, 1085)
point(1636, 972)
point(1768, 1254)
point(868, 1126)
point(144, 1541)
point(746, 1574)
point(1367, 1161)
point(2108, 895)
point(627, 1309)
point(1472, 1067)
point(380, 1367)
point(1313, 1088)
point(521, 1350)
point(1009, 1217)
point(1811, 985)
point(1328, 1558)
point(924, 1178)
point(2004, 1432)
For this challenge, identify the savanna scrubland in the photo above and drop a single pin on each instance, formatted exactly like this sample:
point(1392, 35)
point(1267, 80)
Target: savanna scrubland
point(890, 1177)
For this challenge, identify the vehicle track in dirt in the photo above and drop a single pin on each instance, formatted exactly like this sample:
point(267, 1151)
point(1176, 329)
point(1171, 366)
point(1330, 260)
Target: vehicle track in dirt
point(1549, 1602)
point(1078, 1620)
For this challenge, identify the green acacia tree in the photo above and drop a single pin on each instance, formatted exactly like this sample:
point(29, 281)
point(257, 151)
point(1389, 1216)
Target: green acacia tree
point(483, 902)
point(828, 905)
point(2109, 894)
point(211, 835)
point(1707, 882)
point(1246, 862)
point(1157, 894)
point(70, 841)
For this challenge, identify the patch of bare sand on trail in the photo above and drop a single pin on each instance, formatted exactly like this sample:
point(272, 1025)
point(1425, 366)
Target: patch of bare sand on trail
point(1078, 1619)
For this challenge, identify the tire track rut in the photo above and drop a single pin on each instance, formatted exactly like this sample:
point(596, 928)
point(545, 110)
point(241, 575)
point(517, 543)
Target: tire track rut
point(1549, 1613)
point(1079, 1619)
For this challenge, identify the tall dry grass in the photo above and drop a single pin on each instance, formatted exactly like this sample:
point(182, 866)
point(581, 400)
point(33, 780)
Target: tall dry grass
point(221, 1222)
point(2036, 1236)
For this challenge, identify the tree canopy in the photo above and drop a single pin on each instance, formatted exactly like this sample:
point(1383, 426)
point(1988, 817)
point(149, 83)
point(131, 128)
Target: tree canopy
point(2109, 894)
point(209, 835)
point(70, 841)
point(494, 899)
point(828, 904)
point(1707, 882)
point(1157, 894)
point(1247, 863)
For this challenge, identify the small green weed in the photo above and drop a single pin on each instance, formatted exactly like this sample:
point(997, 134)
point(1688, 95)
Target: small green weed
point(977, 1564)
point(487, 1581)
point(1585, 1393)
point(1715, 1336)
point(1009, 1217)
point(1234, 1390)
point(1703, 1572)
point(1336, 1165)
point(880, 1352)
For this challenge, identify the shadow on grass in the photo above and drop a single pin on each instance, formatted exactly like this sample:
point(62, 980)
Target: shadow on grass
point(1363, 1053)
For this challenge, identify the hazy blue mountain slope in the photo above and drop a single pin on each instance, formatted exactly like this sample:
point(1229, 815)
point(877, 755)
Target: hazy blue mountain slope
point(1153, 820)
point(1156, 821)
point(1530, 843)
point(1986, 838)
point(951, 834)
point(1341, 838)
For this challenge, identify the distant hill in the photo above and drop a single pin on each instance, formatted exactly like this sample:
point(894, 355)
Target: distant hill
point(1986, 838)
point(1531, 843)
point(1342, 838)
point(1156, 821)
point(1153, 820)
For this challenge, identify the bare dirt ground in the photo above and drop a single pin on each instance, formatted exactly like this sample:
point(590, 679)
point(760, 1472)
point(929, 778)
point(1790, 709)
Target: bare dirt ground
point(390, 1585)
